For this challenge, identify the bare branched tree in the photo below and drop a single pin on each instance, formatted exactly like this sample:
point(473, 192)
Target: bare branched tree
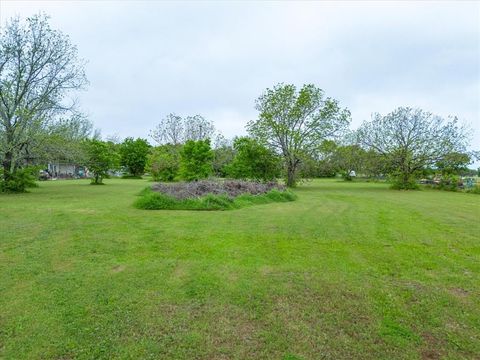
point(39, 68)
point(198, 128)
point(175, 130)
point(170, 130)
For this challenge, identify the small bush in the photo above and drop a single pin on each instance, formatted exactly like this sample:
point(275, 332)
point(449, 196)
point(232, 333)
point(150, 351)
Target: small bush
point(20, 180)
point(449, 183)
point(400, 183)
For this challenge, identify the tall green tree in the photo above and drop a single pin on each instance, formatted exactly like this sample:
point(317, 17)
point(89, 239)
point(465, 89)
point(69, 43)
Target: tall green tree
point(253, 161)
point(294, 123)
point(196, 160)
point(39, 68)
point(411, 140)
point(133, 155)
point(100, 158)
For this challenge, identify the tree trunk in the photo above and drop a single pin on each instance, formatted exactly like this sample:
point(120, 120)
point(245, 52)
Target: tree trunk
point(7, 166)
point(291, 170)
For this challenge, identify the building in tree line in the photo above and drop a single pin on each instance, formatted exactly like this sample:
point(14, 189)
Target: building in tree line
point(57, 169)
point(64, 169)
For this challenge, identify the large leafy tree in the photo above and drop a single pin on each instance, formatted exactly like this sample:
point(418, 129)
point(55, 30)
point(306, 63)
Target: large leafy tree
point(253, 161)
point(294, 123)
point(39, 68)
point(134, 155)
point(411, 140)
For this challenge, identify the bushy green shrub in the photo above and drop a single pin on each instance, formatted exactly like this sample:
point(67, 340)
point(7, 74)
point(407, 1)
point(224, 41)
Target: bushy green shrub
point(401, 182)
point(20, 180)
point(163, 163)
point(449, 182)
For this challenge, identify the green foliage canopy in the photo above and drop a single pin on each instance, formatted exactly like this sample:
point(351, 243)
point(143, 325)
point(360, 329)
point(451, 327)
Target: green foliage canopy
point(100, 158)
point(133, 155)
point(253, 161)
point(163, 163)
point(196, 160)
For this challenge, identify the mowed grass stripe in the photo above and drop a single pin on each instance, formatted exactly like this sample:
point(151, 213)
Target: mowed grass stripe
point(348, 270)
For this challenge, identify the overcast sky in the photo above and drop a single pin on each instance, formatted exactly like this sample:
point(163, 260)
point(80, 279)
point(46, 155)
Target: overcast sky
point(149, 58)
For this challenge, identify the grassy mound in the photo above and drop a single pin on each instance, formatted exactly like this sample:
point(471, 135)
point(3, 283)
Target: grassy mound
point(152, 200)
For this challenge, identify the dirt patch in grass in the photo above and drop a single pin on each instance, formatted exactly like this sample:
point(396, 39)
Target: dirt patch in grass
point(211, 330)
point(459, 292)
point(118, 268)
point(432, 344)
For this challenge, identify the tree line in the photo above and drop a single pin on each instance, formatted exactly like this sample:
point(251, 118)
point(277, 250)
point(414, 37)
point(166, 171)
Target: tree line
point(298, 133)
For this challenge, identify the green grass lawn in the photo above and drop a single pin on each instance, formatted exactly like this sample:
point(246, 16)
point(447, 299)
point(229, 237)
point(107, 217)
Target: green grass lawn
point(347, 271)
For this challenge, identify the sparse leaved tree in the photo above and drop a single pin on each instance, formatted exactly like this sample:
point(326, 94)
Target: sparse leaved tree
point(39, 67)
point(170, 130)
point(175, 130)
point(198, 128)
point(294, 123)
point(411, 140)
